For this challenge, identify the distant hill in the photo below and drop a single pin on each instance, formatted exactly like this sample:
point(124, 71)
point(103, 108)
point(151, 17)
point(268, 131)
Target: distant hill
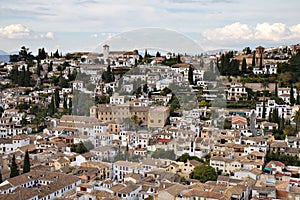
point(217, 51)
point(3, 53)
point(4, 56)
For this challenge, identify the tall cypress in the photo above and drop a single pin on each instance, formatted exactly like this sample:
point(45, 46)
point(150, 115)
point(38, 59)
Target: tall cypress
point(264, 110)
point(13, 168)
point(244, 66)
point(253, 59)
point(191, 75)
point(292, 99)
point(1, 177)
point(26, 167)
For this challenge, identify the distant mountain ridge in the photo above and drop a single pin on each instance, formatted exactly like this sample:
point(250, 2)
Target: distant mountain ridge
point(3, 53)
point(217, 51)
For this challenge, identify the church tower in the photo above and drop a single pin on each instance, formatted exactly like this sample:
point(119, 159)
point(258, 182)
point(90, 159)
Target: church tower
point(105, 52)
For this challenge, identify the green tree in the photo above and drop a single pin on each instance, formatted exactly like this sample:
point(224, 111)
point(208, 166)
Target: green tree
point(107, 76)
point(253, 58)
point(65, 104)
point(191, 75)
point(145, 88)
point(80, 148)
point(204, 173)
point(1, 177)
point(260, 61)
point(41, 54)
point(52, 107)
point(292, 99)
point(264, 110)
point(26, 167)
point(297, 120)
point(70, 105)
point(13, 168)
point(50, 66)
point(56, 54)
point(56, 98)
point(244, 66)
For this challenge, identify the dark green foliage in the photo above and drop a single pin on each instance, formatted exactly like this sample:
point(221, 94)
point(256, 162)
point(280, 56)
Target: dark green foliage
point(65, 104)
point(260, 62)
point(56, 54)
point(26, 167)
point(52, 107)
point(157, 54)
point(191, 75)
point(253, 59)
point(107, 76)
point(1, 177)
point(244, 66)
point(103, 99)
point(13, 168)
point(79, 148)
point(186, 156)
point(70, 106)
point(22, 78)
point(174, 105)
point(264, 110)
point(81, 103)
point(56, 98)
point(41, 54)
point(204, 173)
point(161, 153)
point(292, 99)
point(145, 88)
point(165, 91)
point(228, 66)
point(286, 159)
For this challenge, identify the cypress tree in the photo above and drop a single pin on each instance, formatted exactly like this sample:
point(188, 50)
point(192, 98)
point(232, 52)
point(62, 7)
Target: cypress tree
point(56, 98)
point(1, 177)
point(244, 66)
point(292, 99)
point(70, 106)
point(65, 101)
point(276, 89)
point(191, 76)
point(26, 167)
point(253, 59)
point(51, 107)
point(260, 62)
point(264, 110)
point(14, 168)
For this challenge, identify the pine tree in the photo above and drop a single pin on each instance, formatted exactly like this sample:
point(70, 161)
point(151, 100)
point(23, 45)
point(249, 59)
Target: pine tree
point(191, 75)
point(26, 167)
point(14, 168)
point(145, 88)
point(244, 66)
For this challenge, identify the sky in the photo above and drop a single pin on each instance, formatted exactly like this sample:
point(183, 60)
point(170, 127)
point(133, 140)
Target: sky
point(84, 25)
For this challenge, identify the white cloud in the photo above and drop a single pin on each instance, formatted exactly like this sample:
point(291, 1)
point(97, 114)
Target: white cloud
point(19, 31)
point(15, 31)
point(49, 35)
point(232, 31)
point(276, 32)
point(94, 35)
point(266, 31)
